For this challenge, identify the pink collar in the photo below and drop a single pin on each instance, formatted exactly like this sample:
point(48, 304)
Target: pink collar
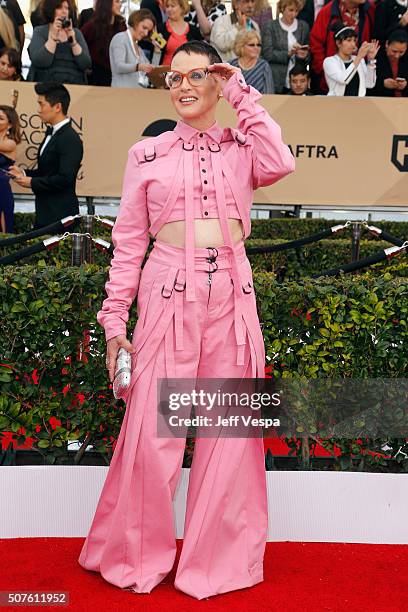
point(187, 132)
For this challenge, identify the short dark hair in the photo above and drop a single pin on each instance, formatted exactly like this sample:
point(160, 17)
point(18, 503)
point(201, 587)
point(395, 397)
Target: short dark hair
point(201, 48)
point(54, 93)
point(341, 31)
point(397, 35)
point(299, 68)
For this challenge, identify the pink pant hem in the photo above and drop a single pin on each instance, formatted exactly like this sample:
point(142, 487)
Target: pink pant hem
point(240, 582)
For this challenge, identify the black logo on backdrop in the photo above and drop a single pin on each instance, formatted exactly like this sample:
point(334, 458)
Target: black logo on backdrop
point(314, 151)
point(399, 154)
point(158, 127)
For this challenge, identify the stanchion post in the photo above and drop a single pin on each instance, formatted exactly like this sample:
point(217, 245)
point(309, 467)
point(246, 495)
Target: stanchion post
point(355, 240)
point(90, 205)
point(77, 252)
point(87, 227)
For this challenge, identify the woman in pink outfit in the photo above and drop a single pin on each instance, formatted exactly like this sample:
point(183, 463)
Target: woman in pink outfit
point(197, 318)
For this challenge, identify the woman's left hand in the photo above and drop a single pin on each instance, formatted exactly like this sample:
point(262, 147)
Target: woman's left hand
point(223, 72)
point(147, 68)
point(373, 50)
point(70, 32)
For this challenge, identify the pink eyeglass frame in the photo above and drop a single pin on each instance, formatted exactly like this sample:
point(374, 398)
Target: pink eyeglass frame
point(185, 74)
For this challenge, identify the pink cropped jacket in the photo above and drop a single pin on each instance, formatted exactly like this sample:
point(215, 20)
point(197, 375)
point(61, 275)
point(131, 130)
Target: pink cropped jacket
point(185, 174)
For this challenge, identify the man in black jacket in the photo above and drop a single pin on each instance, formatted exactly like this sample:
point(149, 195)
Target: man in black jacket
point(58, 160)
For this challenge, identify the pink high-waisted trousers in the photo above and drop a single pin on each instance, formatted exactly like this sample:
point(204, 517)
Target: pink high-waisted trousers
point(131, 541)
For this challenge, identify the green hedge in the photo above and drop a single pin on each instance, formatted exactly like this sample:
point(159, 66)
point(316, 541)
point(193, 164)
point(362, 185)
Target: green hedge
point(347, 327)
point(292, 229)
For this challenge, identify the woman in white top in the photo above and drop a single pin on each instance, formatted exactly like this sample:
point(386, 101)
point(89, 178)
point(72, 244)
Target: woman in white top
point(347, 74)
point(129, 64)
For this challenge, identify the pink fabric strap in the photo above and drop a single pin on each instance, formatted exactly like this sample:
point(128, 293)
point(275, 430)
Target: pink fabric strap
point(178, 309)
point(222, 214)
point(238, 295)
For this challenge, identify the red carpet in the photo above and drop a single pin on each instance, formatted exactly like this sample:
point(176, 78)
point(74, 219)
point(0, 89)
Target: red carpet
point(301, 577)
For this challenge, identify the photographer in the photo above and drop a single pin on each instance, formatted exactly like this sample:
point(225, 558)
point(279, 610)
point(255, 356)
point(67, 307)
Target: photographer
point(58, 51)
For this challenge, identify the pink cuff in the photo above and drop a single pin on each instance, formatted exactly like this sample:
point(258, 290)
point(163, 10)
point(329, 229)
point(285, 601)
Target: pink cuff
point(112, 324)
point(236, 86)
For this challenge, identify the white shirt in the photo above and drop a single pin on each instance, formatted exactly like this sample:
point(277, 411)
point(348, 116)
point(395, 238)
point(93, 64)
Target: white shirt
point(56, 127)
point(318, 4)
point(338, 76)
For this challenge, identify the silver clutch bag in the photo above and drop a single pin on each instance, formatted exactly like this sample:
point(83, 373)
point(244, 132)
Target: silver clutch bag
point(121, 380)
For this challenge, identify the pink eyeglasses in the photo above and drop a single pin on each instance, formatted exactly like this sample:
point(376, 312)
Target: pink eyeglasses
point(195, 77)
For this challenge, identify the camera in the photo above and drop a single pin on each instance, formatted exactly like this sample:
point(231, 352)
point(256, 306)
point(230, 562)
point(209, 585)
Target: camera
point(65, 23)
point(161, 41)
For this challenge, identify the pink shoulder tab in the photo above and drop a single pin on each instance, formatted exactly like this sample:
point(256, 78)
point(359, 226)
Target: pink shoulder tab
point(234, 134)
point(148, 149)
point(164, 137)
point(239, 136)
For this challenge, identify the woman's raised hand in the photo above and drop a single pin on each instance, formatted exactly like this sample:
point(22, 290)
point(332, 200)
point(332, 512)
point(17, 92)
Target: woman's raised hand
point(222, 72)
point(373, 50)
point(112, 347)
point(363, 50)
point(55, 30)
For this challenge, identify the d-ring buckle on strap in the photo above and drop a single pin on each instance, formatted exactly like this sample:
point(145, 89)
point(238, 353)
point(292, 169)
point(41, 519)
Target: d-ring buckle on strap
point(165, 295)
point(211, 259)
point(149, 154)
point(213, 147)
point(177, 286)
point(240, 138)
point(169, 283)
point(188, 146)
point(212, 256)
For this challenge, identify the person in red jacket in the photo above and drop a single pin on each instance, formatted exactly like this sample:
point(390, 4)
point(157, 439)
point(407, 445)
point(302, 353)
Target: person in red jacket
point(358, 14)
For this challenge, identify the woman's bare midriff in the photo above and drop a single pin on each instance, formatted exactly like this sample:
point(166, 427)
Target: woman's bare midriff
point(207, 232)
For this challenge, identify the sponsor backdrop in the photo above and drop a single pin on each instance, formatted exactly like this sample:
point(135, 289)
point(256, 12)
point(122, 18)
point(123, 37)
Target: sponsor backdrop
point(348, 150)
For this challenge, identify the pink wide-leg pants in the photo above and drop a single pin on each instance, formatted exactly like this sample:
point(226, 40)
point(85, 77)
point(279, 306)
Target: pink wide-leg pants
point(131, 541)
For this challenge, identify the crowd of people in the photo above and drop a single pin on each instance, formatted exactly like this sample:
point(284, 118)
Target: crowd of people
point(339, 47)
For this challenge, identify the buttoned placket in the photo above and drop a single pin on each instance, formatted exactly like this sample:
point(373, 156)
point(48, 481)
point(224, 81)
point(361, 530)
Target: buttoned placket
point(203, 167)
